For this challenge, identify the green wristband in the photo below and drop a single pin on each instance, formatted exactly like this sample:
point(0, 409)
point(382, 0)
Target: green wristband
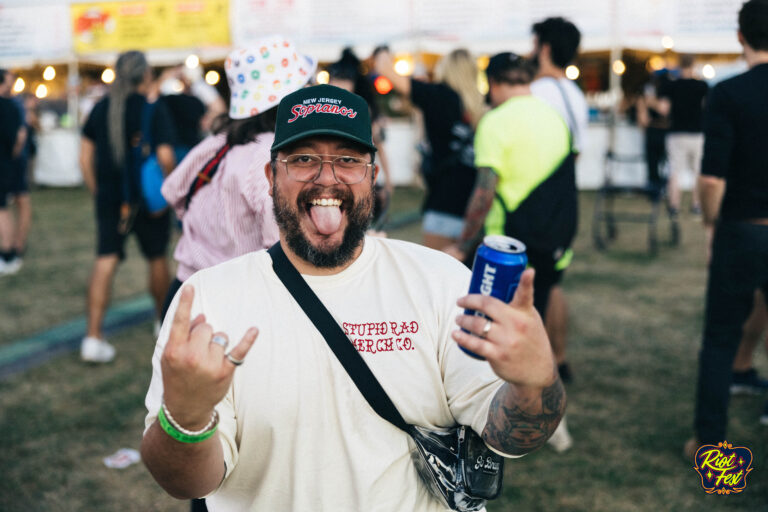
point(181, 436)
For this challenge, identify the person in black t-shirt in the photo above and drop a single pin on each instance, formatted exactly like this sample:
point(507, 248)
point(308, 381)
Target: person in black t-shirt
point(112, 128)
point(186, 109)
point(11, 135)
point(683, 101)
point(656, 126)
point(347, 74)
point(734, 192)
point(452, 107)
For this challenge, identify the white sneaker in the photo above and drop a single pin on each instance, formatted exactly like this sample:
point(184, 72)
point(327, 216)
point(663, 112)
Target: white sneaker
point(94, 350)
point(11, 267)
point(561, 440)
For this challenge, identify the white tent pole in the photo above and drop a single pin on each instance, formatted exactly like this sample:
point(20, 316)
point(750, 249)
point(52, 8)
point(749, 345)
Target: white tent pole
point(614, 80)
point(73, 92)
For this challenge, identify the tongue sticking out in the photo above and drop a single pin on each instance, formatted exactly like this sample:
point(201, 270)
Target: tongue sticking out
point(327, 219)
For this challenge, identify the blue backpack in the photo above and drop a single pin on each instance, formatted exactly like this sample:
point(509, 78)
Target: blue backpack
point(145, 175)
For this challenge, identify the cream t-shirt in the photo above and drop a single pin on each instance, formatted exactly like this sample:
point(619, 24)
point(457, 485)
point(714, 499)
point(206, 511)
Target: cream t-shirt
point(296, 432)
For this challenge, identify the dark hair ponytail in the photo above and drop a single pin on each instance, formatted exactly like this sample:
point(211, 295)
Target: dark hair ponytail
point(243, 131)
point(130, 70)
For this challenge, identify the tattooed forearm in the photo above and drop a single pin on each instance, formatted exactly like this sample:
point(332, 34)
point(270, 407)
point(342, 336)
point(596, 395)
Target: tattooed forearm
point(519, 425)
point(478, 207)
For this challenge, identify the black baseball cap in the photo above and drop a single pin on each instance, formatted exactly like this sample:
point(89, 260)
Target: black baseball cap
point(323, 110)
point(500, 63)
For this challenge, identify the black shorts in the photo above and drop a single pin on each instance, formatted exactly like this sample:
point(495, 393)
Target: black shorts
point(153, 233)
point(18, 184)
point(547, 276)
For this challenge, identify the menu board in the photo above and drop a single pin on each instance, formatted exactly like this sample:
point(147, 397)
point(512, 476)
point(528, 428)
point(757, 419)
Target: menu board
point(592, 17)
point(255, 19)
point(34, 32)
point(150, 24)
point(707, 16)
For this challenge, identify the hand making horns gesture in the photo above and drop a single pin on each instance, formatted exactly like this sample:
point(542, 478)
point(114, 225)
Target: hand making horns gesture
point(512, 339)
point(197, 371)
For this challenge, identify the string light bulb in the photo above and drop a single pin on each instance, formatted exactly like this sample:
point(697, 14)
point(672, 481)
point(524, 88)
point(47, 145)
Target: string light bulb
point(192, 61)
point(19, 85)
point(108, 76)
point(212, 77)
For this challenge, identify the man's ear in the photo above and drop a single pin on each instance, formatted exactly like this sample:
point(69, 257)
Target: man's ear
point(742, 41)
point(270, 175)
point(375, 172)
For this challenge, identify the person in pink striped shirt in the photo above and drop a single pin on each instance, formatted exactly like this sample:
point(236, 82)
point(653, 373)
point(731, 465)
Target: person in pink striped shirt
point(219, 191)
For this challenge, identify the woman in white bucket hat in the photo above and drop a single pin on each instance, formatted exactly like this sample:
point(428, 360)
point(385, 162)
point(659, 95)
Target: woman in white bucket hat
point(219, 190)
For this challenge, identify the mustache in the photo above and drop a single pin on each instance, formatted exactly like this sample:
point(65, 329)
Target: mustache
point(338, 192)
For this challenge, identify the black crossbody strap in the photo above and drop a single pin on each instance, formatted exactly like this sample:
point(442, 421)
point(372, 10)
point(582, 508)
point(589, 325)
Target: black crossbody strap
point(341, 346)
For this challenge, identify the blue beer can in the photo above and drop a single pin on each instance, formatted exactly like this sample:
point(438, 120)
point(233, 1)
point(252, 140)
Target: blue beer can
point(499, 263)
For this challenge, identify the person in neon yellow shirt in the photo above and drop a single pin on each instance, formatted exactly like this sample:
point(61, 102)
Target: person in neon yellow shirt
point(526, 186)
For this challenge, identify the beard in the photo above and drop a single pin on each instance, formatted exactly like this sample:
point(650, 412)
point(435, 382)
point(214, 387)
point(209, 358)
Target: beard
point(359, 214)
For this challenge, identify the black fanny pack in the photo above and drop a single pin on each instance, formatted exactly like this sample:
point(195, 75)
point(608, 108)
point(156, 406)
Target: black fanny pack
point(455, 465)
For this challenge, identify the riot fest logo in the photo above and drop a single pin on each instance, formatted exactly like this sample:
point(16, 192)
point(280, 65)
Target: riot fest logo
point(723, 468)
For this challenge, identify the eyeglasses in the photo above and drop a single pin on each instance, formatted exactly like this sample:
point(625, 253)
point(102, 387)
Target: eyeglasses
point(348, 170)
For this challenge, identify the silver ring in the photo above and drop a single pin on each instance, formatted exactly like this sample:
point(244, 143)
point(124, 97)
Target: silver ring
point(220, 340)
point(236, 362)
point(486, 327)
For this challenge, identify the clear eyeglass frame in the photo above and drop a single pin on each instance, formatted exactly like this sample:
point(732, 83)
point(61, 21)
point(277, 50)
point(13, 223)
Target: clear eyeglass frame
point(345, 168)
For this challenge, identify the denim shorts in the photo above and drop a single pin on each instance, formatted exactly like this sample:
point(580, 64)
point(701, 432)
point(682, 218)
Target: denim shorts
point(443, 224)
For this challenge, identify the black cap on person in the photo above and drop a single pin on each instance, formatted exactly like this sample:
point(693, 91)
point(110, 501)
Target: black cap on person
point(322, 110)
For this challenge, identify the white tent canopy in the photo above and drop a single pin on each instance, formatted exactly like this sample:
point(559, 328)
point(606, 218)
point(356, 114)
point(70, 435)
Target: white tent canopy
point(41, 31)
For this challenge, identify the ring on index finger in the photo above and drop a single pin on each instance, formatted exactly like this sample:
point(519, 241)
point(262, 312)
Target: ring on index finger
point(220, 340)
point(486, 328)
point(236, 362)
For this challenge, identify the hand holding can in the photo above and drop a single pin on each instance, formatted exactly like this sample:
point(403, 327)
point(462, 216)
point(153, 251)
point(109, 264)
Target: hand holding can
point(499, 263)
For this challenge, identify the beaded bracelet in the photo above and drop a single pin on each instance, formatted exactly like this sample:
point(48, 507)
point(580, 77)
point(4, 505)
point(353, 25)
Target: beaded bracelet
point(181, 434)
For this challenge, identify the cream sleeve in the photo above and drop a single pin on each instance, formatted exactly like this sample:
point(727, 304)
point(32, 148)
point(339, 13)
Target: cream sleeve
point(227, 428)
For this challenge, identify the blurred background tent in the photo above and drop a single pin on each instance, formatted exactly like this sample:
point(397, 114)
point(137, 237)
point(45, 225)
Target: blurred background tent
point(61, 51)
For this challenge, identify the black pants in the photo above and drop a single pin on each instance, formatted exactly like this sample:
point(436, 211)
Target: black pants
point(739, 266)
point(547, 276)
point(655, 154)
point(172, 289)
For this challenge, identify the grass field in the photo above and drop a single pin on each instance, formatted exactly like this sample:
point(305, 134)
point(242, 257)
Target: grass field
point(634, 337)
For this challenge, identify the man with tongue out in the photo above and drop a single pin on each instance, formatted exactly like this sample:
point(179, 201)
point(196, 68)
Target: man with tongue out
point(289, 430)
